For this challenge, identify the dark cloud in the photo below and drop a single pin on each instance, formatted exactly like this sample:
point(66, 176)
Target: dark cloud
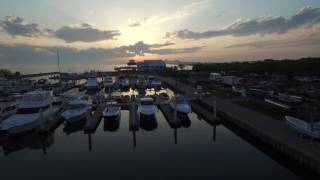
point(84, 33)
point(27, 53)
point(16, 26)
point(278, 43)
point(306, 17)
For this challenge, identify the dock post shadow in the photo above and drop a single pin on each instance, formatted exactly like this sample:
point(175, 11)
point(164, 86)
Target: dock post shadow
point(89, 142)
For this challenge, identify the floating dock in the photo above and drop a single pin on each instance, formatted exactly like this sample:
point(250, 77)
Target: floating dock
point(94, 120)
point(169, 114)
point(205, 114)
point(133, 116)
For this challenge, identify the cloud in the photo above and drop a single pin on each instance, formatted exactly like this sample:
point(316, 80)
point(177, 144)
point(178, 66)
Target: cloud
point(185, 11)
point(84, 33)
point(23, 53)
point(278, 43)
point(139, 22)
point(306, 17)
point(16, 26)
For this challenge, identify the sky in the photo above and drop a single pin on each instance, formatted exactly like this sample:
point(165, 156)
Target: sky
point(92, 34)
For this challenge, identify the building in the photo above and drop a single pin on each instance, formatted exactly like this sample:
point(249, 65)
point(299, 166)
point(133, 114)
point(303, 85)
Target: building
point(151, 65)
point(231, 80)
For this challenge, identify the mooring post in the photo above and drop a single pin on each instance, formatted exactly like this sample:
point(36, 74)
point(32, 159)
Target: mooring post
point(41, 120)
point(214, 109)
point(214, 133)
point(175, 136)
point(88, 118)
point(134, 139)
point(175, 111)
point(90, 142)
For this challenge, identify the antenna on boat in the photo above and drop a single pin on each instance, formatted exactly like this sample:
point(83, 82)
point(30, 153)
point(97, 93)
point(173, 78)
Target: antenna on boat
point(58, 56)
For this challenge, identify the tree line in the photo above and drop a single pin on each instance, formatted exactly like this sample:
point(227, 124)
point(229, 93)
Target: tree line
point(300, 66)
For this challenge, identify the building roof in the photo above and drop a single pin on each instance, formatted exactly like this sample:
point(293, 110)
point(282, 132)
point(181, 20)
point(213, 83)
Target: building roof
point(154, 63)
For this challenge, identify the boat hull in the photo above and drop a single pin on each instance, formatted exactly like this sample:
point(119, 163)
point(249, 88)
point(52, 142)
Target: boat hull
point(302, 127)
point(76, 118)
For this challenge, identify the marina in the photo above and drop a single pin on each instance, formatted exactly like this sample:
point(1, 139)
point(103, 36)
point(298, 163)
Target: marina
point(207, 111)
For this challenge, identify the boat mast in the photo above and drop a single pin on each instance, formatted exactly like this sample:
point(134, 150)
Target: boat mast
point(59, 69)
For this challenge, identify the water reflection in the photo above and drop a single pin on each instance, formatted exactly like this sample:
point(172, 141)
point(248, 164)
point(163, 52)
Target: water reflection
point(74, 127)
point(134, 139)
point(90, 142)
point(111, 124)
point(185, 120)
point(31, 140)
point(148, 123)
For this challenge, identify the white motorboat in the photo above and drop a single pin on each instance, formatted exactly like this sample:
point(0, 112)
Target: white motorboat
point(149, 80)
point(180, 104)
point(156, 83)
point(122, 82)
point(164, 96)
point(112, 110)
point(92, 85)
point(35, 109)
point(306, 128)
point(107, 82)
point(141, 83)
point(8, 107)
point(76, 110)
point(146, 107)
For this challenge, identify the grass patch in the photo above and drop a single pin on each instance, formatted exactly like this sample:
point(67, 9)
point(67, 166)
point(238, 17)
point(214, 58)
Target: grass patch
point(263, 108)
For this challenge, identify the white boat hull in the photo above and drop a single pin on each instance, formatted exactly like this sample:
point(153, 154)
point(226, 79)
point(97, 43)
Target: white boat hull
point(302, 127)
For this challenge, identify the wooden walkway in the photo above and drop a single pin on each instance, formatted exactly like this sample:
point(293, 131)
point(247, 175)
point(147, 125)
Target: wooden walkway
point(94, 120)
point(174, 122)
point(133, 117)
point(205, 114)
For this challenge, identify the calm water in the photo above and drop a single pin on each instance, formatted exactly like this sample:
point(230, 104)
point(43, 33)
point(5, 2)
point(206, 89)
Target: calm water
point(111, 153)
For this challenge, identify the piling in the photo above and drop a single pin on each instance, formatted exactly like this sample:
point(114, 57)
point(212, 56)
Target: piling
point(133, 116)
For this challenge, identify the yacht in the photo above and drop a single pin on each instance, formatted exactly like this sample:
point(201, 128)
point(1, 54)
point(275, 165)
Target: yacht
point(156, 83)
point(164, 96)
point(309, 129)
point(35, 108)
point(76, 110)
point(112, 110)
point(92, 85)
point(146, 107)
point(149, 80)
point(8, 107)
point(180, 104)
point(141, 83)
point(108, 82)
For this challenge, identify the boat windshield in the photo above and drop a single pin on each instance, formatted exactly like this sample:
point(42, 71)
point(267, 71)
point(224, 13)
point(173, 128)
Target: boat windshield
point(181, 100)
point(35, 97)
point(76, 106)
point(31, 110)
point(146, 103)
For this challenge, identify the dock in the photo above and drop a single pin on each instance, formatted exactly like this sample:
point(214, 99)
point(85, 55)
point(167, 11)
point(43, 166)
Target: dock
point(94, 120)
point(174, 122)
point(272, 133)
point(133, 116)
point(204, 113)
